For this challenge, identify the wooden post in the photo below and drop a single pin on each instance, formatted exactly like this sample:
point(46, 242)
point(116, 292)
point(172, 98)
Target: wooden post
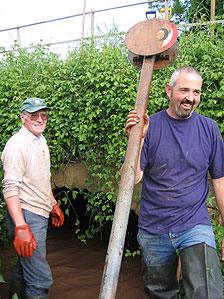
point(212, 16)
point(166, 10)
point(83, 23)
point(212, 12)
point(18, 37)
point(92, 26)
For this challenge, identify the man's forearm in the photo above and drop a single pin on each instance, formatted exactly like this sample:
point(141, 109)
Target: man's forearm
point(53, 200)
point(139, 172)
point(15, 211)
point(218, 185)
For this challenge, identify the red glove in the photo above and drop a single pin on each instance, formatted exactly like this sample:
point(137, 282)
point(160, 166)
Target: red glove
point(24, 241)
point(57, 216)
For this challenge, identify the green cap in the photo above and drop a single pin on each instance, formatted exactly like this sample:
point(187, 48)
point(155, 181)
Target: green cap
point(33, 104)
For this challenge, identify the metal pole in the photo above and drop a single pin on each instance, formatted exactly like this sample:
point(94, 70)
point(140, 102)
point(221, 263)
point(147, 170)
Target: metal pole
point(121, 215)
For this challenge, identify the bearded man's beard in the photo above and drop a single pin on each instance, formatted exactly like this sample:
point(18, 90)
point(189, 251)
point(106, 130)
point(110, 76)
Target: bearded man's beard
point(181, 112)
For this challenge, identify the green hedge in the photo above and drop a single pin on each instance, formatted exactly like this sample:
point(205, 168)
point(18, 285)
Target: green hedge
point(91, 92)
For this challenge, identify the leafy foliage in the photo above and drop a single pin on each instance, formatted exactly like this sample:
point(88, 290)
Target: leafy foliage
point(91, 92)
point(190, 10)
point(201, 8)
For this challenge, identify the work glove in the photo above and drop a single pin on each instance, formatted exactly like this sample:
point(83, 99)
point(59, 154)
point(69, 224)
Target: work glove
point(24, 241)
point(57, 216)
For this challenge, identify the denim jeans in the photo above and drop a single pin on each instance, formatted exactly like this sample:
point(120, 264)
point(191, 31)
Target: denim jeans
point(34, 271)
point(159, 250)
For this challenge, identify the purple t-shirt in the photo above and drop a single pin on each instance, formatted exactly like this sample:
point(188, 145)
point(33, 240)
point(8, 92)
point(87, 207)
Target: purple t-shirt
point(176, 157)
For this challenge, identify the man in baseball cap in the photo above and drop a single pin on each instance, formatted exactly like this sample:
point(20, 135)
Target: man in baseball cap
point(29, 198)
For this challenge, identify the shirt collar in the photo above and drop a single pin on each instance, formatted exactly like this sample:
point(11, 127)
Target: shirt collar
point(30, 135)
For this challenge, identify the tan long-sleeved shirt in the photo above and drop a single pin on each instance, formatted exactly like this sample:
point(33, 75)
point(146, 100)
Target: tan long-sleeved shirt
point(26, 165)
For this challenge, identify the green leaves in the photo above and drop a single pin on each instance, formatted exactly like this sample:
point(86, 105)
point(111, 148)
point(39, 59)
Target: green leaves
point(91, 93)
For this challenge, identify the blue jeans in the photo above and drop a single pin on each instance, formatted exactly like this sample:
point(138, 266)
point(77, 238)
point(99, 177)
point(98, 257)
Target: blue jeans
point(34, 271)
point(159, 250)
point(201, 274)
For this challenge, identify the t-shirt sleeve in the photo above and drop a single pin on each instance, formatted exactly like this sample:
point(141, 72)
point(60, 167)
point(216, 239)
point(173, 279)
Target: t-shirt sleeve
point(216, 159)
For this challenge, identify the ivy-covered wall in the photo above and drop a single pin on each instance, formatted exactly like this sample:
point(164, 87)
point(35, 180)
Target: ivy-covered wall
point(91, 92)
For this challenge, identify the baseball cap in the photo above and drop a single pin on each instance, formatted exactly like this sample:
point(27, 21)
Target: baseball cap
point(33, 104)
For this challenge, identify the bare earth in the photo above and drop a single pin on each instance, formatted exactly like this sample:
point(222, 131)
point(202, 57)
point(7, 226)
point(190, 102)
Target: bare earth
point(77, 269)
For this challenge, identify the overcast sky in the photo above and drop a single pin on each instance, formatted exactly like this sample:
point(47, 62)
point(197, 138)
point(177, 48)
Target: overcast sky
point(21, 12)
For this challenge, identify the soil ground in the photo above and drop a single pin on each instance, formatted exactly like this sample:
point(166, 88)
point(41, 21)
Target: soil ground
point(77, 268)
